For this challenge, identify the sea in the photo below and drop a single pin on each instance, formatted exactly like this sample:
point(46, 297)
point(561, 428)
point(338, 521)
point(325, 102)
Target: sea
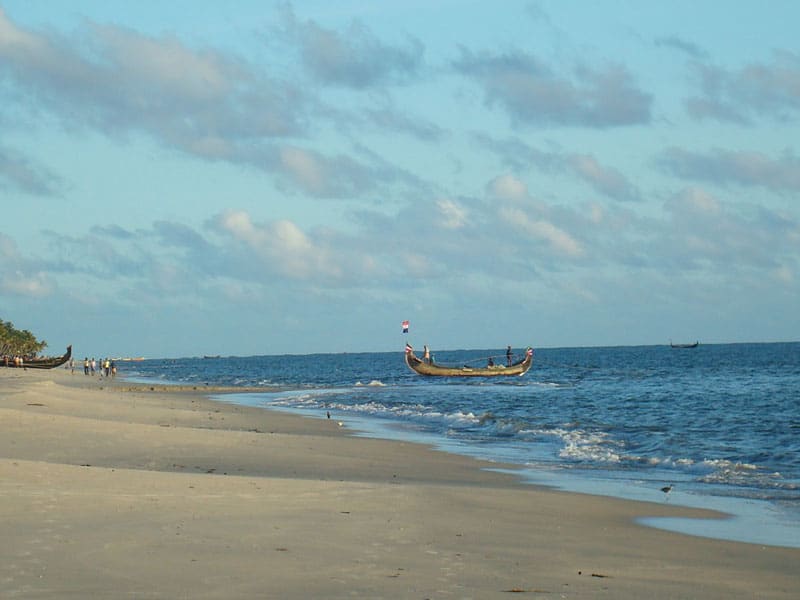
point(719, 423)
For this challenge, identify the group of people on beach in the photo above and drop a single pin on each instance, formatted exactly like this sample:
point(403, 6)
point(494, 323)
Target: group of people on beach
point(106, 366)
point(13, 361)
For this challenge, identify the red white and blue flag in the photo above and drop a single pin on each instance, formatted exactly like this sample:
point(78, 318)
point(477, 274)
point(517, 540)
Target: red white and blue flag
point(405, 326)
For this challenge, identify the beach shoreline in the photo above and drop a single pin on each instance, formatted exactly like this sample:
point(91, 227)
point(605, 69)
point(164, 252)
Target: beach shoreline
point(115, 489)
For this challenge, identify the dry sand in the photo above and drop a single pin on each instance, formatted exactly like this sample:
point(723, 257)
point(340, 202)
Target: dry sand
point(109, 490)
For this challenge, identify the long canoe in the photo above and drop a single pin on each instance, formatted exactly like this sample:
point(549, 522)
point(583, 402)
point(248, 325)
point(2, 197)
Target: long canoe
point(433, 370)
point(694, 345)
point(41, 363)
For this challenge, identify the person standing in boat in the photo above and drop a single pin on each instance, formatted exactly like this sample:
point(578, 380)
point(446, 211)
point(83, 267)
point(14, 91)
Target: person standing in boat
point(426, 355)
point(509, 356)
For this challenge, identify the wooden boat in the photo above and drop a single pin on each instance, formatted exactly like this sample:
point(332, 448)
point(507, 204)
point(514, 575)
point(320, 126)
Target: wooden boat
point(43, 363)
point(695, 345)
point(432, 369)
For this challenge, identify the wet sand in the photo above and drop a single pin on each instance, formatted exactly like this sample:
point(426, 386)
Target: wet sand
point(113, 490)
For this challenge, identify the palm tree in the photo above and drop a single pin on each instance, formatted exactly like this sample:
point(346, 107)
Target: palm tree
point(14, 341)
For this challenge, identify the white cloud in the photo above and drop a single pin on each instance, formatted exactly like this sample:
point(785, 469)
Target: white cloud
point(559, 240)
point(18, 42)
point(21, 284)
point(520, 156)
point(305, 168)
point(696, 202)
point(117, 80)
point(784, 274)
point(605, 179)
point(454, 216)
point(508, 187)
point(283, 247)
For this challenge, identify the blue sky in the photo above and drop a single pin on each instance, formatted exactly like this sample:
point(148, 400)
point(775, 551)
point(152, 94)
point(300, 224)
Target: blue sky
point(189, 178)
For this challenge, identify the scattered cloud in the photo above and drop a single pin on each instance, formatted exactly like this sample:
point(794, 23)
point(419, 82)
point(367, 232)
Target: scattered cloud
point(207, 103)
point(601, 178)
point(689, 48)
point(323, 176)
point(454, 216)
point(20, 173)
point(445, 176)
point(707, 231)
point(502, 239)
point(559, 240)
point(19, 276)
point(283, 249)
point(508, 187)
point(114, 231)
point(117, 79)
point(766, 89)
point(354, 58)
point(391, 120)
point(533, 93)
point(21, 284)
point(725, 167)
point(606, 180)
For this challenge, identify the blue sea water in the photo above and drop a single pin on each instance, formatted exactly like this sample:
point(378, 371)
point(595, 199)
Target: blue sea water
point(720, 422)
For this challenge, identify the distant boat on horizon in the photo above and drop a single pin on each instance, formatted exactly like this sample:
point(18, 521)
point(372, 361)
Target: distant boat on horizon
point(211, 356)
point(694, 345)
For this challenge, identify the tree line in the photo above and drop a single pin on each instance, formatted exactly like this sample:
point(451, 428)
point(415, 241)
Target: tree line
point(15, 342)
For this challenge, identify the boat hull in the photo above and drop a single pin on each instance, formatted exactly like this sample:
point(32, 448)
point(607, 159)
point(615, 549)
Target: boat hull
point(421, 367)
point(42, 363)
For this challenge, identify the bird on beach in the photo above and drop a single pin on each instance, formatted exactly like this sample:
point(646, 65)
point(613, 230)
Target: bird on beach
point(666, 489)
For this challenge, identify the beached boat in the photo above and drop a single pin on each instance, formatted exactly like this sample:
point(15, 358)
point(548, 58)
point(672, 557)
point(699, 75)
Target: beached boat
point(694, 345)
point(432, 369)
point(42, 363)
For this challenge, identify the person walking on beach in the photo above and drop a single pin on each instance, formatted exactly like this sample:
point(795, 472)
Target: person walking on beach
point(85, 365)
point(92, 365)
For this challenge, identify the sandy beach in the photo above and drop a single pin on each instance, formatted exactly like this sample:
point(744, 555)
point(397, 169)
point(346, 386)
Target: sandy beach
point(113, 490)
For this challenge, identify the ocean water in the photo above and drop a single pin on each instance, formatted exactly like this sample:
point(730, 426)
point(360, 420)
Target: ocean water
point(720, 422)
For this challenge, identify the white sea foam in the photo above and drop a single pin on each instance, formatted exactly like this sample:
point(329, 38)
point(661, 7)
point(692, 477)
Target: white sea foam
point(582, 445)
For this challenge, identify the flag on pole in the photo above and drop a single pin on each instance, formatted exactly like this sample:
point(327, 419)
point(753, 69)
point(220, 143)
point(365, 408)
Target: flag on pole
point(405, 326)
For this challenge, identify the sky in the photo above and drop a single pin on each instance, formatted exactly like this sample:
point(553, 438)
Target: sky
point(194, 177)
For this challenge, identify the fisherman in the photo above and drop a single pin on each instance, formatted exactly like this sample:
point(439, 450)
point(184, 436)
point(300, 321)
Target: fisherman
point(509, 356)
